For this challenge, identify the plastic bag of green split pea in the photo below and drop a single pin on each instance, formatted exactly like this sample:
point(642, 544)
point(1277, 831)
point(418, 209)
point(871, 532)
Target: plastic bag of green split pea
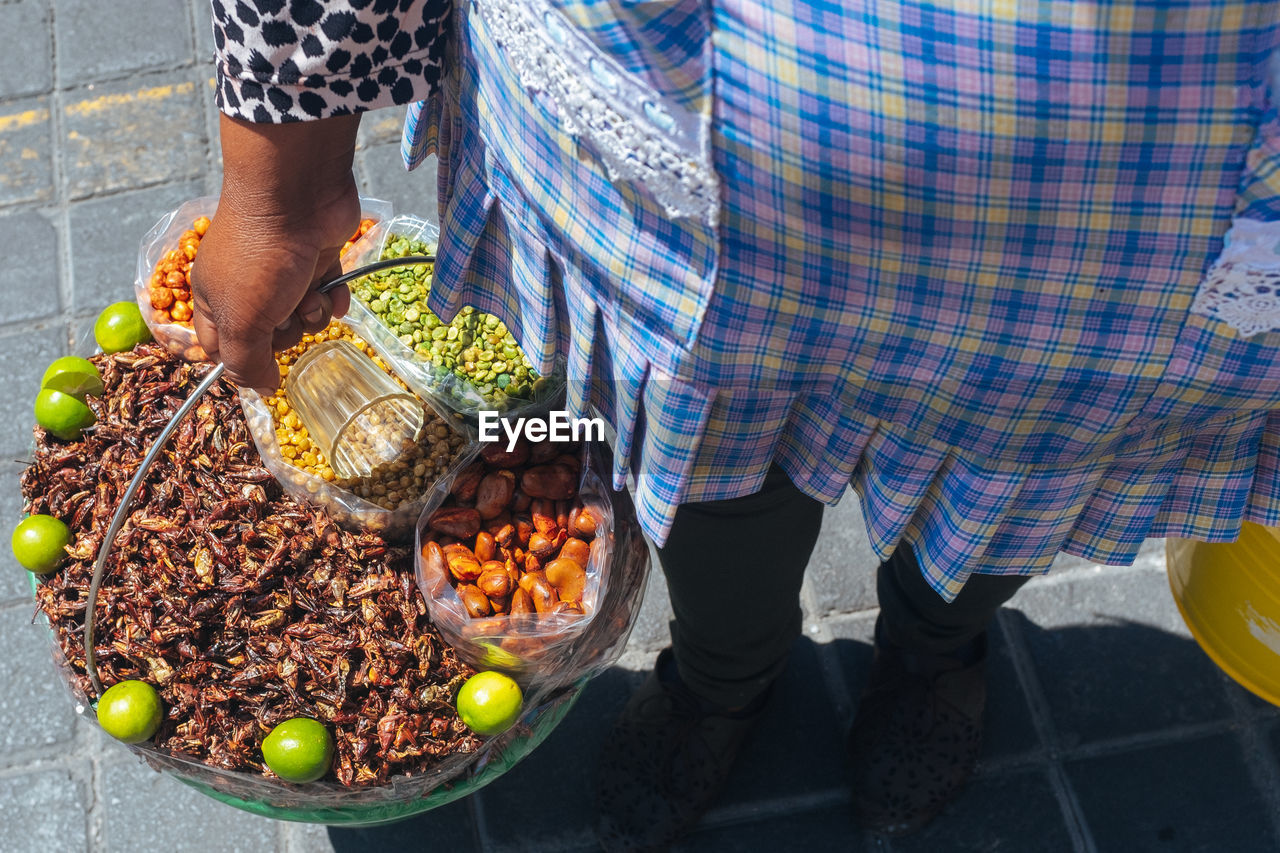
point(470, 364)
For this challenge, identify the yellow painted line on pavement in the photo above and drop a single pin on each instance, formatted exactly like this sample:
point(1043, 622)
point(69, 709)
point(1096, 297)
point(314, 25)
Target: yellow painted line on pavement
point(26, 118)
point(103, 102)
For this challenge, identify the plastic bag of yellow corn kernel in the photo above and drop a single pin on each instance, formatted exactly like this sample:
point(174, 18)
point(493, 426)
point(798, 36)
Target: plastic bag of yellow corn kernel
point(162, 284)
point(390, 500)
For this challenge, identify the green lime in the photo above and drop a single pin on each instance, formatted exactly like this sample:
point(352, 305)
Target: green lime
point(489, 702)
point(62, 414)
point(130, 711)
point(298, 750)
point(73, 375)
point(120, 327)
point(38, 542)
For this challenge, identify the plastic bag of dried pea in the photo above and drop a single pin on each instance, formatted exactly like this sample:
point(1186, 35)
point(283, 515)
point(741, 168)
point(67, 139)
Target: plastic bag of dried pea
point(390, 499)
point(162, 284)
point(470, 363)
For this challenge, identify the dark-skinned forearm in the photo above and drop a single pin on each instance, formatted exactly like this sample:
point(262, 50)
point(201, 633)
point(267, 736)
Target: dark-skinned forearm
point(288, 204)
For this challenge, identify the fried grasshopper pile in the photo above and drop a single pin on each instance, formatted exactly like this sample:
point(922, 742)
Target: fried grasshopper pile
point(243, 607)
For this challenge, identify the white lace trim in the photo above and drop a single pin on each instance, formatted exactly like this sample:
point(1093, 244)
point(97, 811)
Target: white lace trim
point(640, 137)
point(1242, 288)
point(1245, 298)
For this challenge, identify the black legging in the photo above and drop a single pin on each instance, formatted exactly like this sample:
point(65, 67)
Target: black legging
point(734, 570)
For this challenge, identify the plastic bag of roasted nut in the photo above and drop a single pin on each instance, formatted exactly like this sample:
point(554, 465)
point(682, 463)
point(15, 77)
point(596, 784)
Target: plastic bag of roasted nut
point(162, 284)
point(469, 364)
point(446, 450)
point(530, 563)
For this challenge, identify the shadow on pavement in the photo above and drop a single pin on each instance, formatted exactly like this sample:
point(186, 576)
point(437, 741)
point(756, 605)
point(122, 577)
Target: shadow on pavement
point(1120, 733)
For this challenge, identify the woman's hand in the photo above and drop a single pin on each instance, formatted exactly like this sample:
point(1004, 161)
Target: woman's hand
point(288, 204)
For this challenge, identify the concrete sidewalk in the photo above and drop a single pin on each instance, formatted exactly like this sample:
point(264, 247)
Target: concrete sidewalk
point(1109, 729)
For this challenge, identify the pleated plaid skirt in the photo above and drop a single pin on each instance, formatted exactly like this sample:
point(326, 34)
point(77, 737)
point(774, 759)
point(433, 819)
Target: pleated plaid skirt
point(967, 257)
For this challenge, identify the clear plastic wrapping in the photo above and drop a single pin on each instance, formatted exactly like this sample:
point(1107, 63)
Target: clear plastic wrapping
point(554, 676)
point(454, 777)
point(457, 776)
point(163, 236)
point(551, 686)
point(550, 648)
point(347, 508)
point(428, 379)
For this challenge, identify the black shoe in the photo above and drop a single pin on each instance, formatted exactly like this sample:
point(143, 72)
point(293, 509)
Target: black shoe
point(916, 736)
point(665, 761)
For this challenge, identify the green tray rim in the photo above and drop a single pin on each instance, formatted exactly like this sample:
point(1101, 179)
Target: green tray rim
point(547, 718)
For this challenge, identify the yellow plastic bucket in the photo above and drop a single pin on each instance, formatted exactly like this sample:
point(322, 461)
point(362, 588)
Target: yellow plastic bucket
point(1229, 596)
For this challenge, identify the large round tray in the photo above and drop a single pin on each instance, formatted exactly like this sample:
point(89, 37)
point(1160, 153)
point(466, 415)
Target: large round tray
point(495, 758)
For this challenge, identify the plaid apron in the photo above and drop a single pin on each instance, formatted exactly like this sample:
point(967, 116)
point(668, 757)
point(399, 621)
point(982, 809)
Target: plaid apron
point(948, 253)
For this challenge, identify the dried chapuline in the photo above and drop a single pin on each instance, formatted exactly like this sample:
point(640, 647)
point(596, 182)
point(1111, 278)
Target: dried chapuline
point(242, 606)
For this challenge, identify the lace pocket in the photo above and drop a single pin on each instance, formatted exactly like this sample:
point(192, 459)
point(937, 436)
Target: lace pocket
point(639, 135)
point(1242, 288)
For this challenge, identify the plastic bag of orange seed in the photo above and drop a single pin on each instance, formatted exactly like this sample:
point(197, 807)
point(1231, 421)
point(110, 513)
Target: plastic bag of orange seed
point(388, 501)
point(162, 284)
point(545, 590)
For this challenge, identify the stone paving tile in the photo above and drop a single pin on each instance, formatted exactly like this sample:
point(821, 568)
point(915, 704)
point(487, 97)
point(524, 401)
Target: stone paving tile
point(852, 645)
point(93, 43)
point(202, 26)
point(106, 234)
point(143, 809)
point(213, 172)
point(1272, 735)
point(382, 175)
point(133, 133)
point(448, 828)
point(24, 354)
point(382, 127)
point(26, 66)
point(1191, 795)
point(565, 762)
point(1010, 730)
point(1253, 704)
point(43, 811)
point(309, 838)
point(40, 713)
point(796, 748)
point(26, 146)
point(29, 276)
point(652, 630)
point(1114, 658)
point(823, 829)
point(842, 570)
point(1014, 812)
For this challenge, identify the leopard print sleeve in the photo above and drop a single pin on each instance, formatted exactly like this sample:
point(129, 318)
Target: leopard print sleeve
point(296, 60)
